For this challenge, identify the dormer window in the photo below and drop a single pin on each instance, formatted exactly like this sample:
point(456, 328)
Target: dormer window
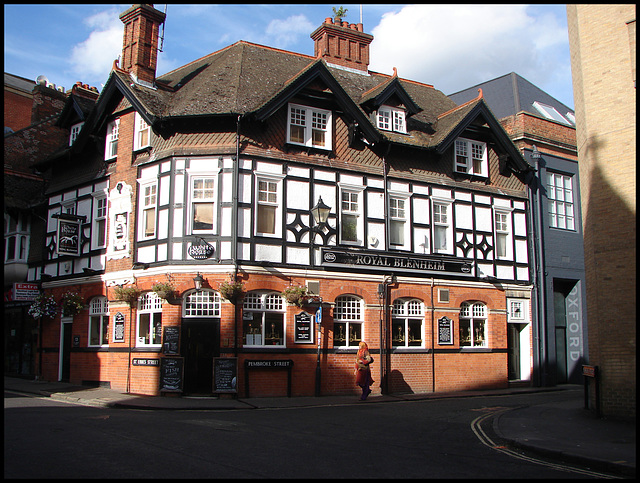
point(111, 147)
point(471, 157)
point(308, 126)
point(75, 130)
point(391, 119)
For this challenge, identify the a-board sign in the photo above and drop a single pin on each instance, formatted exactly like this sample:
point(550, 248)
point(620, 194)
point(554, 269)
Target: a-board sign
point(303, 328)
point(171, 371)
point(171, 341)
point(225, 374)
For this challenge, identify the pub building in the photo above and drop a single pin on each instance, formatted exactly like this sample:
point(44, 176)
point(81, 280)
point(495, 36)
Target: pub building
point(240, 224)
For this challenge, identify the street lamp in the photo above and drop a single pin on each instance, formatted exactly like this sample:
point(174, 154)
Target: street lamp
point(320, 213)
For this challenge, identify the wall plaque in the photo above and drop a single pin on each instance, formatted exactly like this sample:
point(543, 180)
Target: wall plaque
point(445, 331)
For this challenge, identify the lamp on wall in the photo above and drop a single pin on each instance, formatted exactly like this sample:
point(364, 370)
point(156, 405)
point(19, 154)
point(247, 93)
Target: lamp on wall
point(197, 281)
point(320, 212)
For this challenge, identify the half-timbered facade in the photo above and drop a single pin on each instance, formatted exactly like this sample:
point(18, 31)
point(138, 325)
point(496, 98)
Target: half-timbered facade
point(207, 179)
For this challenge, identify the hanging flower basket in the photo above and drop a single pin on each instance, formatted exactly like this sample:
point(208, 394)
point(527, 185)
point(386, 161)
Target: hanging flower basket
point(232, 290)
point(43, 306)
point(164, 290)
point(127, 294)
point(296, 295)
point(71, 304)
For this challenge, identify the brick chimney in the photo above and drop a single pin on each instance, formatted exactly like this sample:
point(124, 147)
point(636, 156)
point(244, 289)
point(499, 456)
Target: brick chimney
point(140, 41)
point(342, 43)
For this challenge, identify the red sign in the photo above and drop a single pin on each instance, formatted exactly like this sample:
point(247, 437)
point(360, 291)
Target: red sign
point(25, 291)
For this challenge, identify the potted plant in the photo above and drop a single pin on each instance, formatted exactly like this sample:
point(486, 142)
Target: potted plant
point(233, 290)
point(43, 306)
point(71, 304)
point(127, 294)
point(338, 14)
point(164, 290)
point(296, 295)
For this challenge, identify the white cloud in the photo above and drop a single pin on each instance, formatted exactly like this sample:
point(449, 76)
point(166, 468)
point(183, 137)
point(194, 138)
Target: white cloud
point(92, 59)
point(284, 33)
point(454, 47)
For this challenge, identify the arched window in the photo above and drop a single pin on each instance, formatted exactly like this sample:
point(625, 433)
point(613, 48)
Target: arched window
point(203, 303)
point(98, 322)
point(473, 324)
point(263, 317)
point(407, 324)
point(149, 327)
point(347, 321)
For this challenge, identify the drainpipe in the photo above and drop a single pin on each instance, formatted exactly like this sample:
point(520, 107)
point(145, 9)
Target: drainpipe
point(433, 342)
point(234, 230)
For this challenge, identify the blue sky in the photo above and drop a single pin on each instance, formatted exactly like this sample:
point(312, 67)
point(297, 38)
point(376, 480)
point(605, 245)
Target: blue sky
point(449, 46)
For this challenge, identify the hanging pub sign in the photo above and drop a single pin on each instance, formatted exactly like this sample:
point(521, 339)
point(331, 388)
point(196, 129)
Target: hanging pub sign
point(68, 237)
point(445, 331)
point(201, 251)
point(413, 263)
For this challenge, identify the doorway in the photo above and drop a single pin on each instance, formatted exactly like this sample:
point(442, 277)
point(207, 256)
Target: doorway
point(200, 344)
point(513, 344)
point(64, 371)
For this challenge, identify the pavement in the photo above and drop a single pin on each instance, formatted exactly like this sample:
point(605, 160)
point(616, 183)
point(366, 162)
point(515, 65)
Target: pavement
point(560, 429)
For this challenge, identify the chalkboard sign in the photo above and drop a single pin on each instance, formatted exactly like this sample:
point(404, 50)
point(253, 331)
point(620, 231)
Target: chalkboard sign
point(118, 327)
point(303, 333)
point(171, 370)
point(445, 331)
point(171, 341)
point(225, 374)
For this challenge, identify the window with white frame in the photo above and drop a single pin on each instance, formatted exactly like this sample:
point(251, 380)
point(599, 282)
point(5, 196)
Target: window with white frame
point(351, 222)
point(75, 130)
point(111, 145)
point(202, 303)
point(99, 220)
point(98, 322)
point(309, 126)
point(471, 157)
point(148, 210)
point(263, 319)
point(347, 321)
point(16, 237)
point(503, 234)
point(268, 205)
point(517, 310)
point(203, 204)
point(473, 324)
point(407, 323)
point(398, 221)
point(391, 119)
point(142, 133)
point(560, 200)
point(442, 227)
point(149, 326)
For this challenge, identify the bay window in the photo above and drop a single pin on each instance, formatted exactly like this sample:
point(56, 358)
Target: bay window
point(203, 198)
point(148, 201)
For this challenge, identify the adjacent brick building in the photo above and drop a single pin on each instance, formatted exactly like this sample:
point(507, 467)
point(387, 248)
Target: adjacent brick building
point(602, 39)
point(207, 179)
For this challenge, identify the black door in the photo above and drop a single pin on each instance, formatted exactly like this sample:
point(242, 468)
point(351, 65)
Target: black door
point(513, 341)
point(200, 344)
point(65, 358)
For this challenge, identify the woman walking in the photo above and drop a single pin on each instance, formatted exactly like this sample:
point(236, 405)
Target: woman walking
point(363, 371)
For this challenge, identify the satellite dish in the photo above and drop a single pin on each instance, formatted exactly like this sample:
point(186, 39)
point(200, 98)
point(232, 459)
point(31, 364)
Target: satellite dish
point(42, 80)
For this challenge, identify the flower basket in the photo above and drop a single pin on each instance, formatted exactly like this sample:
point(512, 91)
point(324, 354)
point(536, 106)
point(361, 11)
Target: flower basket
point(127, 294)
point(232, 290)
point(71, 304)
point(296, 295)
point(43, 306)
point(164, 290)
